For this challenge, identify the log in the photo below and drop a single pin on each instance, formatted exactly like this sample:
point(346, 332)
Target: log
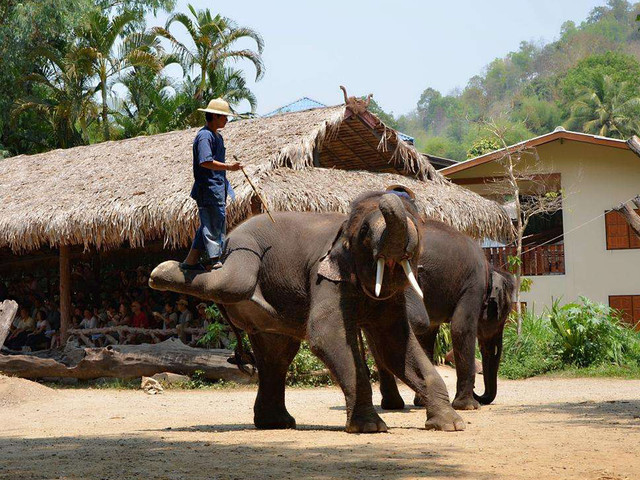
point(8, 310)
point(127, 361)
point(633, 219)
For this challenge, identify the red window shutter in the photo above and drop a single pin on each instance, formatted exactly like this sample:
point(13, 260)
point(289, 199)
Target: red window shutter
point(624, 303)
point(617, 231)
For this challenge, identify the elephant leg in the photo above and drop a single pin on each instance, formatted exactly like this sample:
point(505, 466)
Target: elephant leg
point(273, 354)
point(427, 341)
point(464, 327)
point(333, 338)
point(235, 281)
point(391, 399)
point(402, 354)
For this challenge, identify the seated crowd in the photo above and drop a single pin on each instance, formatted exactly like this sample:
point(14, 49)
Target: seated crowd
point(121, 298)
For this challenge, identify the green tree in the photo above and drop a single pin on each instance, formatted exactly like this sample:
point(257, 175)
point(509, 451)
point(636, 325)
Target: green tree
point(214, 38)
point(618, 66)
point(387, 118)
point(25, 27)
point(607, 108)
point(60, 93)
point(99, 41)
point(482, 146)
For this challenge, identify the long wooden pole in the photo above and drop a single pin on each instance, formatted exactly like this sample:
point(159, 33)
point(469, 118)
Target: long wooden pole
point(264, 204)
point(65, 292)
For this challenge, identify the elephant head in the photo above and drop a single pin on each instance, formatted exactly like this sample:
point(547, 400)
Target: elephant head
point(377, 246)
point(490, 330)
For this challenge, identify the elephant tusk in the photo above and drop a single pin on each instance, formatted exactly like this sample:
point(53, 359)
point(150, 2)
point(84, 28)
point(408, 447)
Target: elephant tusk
point(412, 279)
point(379, 275)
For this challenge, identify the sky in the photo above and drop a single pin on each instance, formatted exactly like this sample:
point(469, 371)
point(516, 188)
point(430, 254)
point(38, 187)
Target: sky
point(393, 49)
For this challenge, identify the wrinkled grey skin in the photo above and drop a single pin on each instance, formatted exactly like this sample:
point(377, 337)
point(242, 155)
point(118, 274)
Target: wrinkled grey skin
point(310, 277)
point(453, 274)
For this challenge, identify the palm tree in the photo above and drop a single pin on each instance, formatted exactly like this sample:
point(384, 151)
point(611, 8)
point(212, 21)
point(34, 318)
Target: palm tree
point(98, 45)
point(64, 96)
point(607, 108)
point(213, 38)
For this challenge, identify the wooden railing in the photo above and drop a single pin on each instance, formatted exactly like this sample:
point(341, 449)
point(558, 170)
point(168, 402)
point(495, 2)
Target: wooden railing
point(543, 260)
point(123, 332)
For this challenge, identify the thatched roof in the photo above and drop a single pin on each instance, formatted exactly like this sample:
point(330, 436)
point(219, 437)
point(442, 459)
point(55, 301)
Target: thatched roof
point(138, 189)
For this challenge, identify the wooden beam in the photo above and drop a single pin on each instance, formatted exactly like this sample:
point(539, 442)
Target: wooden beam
point(65, 291)
point(377, 152)
point(367, 122)
point(540, 177)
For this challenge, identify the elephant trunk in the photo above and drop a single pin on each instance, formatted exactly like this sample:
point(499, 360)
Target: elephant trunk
point(491, 350)
point(395, 236)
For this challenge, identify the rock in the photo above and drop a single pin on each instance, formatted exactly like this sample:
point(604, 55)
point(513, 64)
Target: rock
point(151, 386)
point(168, 378)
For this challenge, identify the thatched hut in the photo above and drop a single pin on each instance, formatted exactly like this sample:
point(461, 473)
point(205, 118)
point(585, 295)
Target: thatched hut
point(128, 192)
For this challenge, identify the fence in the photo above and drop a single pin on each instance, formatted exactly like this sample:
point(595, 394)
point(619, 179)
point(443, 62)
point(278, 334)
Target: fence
point(542, 260)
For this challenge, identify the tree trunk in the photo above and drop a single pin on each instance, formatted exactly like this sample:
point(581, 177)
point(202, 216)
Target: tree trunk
point(126, 361)
point(8, 310)
point(105, 111)
point(633, 219)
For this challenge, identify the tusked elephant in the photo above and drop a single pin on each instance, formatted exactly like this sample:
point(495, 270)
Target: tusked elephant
point(459, 287)
point(321, 277)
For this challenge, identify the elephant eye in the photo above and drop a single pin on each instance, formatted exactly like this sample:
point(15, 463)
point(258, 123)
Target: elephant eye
point(364, 229)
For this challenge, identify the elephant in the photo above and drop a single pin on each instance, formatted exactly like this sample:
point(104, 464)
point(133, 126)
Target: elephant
point(321, 277)
point(459, 287)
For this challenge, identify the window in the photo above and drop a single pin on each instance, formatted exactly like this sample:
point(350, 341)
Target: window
point(629, 306)
point(619, 235)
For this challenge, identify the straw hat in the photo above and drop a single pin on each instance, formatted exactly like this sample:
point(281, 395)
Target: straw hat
point(182, 301)
point(219, 106)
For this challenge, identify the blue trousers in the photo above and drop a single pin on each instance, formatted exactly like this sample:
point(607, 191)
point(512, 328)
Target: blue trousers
point(211, 233)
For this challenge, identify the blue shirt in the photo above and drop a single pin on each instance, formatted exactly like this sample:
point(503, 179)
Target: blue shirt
point(209, 186)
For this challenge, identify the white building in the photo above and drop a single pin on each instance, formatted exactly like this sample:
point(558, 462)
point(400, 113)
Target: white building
point(585, 249)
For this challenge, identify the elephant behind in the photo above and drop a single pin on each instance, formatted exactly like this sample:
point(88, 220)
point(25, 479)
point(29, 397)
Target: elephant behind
point(462, 289)
point(321, 277)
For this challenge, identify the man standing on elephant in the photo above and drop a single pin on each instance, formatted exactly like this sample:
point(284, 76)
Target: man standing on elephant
point(210, 188)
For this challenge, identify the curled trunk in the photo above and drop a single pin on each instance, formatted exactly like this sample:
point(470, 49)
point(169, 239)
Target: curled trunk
point(394, 239)
point(491, 350)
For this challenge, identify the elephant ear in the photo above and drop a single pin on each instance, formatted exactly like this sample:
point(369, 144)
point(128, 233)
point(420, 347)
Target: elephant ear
point(500, 301)
point(336, 265)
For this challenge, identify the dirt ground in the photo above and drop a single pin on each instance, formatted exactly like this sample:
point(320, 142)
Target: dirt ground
point(542, 428)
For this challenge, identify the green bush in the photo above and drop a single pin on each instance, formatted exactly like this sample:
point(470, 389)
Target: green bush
point(307, 369)
point(443, 344)
point(530, 354)
point(579, 338)
point(590, 333)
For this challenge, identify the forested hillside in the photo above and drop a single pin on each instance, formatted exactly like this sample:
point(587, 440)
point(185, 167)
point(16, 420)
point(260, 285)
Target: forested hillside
point(588, 80)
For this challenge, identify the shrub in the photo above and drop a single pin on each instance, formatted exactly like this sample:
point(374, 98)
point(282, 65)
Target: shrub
point(443, 344)
point(307, 369)
point(531, 353)
point(590, 333)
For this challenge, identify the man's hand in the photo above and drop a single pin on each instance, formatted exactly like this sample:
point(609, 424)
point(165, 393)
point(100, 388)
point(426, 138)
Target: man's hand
point(234, 166)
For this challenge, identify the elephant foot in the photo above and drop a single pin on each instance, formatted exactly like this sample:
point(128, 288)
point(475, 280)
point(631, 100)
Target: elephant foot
point(466, 403)
point(366, 424)
point(447, 420)
point(419, 402)
point(168, 275)
point(392, 402)
point(274, 421)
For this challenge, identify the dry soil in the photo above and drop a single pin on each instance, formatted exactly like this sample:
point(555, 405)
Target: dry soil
point(546, 428)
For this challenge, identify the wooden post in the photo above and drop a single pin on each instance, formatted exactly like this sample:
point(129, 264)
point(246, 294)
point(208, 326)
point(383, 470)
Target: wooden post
point(65, 292)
